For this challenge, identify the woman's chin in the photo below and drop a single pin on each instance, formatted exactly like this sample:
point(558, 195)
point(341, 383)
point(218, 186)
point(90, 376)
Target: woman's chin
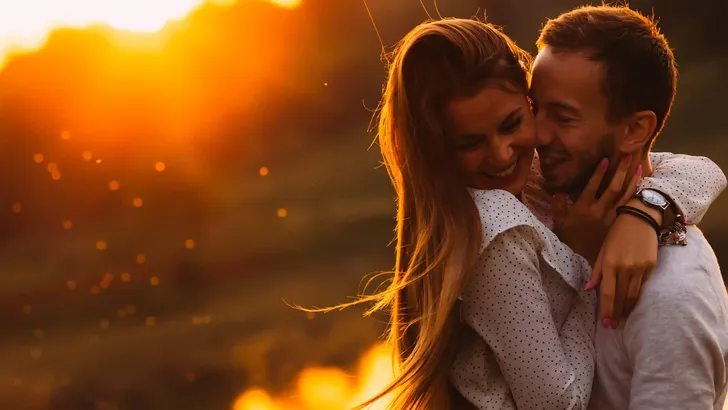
point(513, 183)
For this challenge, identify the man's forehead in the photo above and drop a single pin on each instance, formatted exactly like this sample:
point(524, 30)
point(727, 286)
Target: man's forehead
point(565, 73)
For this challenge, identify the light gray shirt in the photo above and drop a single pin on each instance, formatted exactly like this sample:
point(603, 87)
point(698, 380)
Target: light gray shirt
point(671, 352)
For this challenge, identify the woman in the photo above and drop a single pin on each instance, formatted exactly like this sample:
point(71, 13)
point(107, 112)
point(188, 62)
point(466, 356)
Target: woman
point(463, 233)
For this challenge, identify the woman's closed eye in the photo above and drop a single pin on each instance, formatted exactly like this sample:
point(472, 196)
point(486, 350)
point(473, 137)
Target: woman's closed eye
point(511, 126)
point(469, 142)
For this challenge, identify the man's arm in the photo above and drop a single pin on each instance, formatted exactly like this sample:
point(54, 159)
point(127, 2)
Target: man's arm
point(692, 184)
point(673, 348)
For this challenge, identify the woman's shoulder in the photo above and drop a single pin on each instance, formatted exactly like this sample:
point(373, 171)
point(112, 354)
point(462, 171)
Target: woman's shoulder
point(500, 211)
point(503, 216)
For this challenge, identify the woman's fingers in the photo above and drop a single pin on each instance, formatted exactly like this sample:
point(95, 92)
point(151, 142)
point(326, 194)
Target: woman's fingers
point(616, 186)
point(589, 193)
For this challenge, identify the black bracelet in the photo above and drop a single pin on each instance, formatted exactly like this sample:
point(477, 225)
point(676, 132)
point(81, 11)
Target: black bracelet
point(640, 214)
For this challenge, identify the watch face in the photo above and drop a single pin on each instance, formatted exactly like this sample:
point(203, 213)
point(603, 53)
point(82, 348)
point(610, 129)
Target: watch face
point(654, 198)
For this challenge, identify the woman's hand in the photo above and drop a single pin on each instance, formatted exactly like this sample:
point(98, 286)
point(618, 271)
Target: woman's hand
point(625, 261)
point(584, 226)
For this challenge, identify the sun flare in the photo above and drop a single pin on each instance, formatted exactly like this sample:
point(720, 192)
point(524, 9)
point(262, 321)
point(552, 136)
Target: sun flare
point(25, 24)
point(329, 388)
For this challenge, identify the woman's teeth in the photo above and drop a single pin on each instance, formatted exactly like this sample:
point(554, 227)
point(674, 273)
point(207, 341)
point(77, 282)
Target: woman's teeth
point(507, 171)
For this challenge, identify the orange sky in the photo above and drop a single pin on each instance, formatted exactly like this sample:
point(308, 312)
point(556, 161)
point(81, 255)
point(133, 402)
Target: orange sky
point(25, 24)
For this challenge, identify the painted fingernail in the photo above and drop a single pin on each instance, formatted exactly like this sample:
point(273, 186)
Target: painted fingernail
point(588, 285)
point(639, 170)
point(604, 163)
point(614, 323)
point(606, 322)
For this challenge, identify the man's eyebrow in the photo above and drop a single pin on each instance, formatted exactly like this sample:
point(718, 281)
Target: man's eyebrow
point(563, 107)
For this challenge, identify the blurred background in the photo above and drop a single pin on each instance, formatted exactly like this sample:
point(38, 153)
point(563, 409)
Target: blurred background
point(175, 172)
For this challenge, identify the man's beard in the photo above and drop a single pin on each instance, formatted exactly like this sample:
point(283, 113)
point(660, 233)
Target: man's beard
point(587, 163)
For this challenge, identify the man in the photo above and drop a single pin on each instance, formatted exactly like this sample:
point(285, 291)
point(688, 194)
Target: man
point(603, 84)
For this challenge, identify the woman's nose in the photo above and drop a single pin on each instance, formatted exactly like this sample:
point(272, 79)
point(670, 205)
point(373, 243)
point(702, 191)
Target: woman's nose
point(503, 151)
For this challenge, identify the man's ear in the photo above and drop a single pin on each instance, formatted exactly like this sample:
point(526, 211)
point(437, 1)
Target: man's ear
point(638, 131)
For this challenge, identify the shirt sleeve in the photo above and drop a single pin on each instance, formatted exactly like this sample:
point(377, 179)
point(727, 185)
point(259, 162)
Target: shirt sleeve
point(546, 368)
point(692, 183)
point(674, 351)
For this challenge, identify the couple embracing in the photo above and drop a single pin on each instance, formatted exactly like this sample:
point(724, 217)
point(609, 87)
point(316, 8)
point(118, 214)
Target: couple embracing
point(545, 258)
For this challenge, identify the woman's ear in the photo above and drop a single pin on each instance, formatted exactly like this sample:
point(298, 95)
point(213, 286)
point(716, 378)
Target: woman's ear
point(638, 131)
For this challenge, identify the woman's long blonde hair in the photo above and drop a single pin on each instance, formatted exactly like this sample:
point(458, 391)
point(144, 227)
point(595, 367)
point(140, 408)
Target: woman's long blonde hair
point(438, 226)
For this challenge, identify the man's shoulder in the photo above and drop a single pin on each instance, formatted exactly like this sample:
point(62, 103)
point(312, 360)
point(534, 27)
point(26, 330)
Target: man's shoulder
point(686, 280)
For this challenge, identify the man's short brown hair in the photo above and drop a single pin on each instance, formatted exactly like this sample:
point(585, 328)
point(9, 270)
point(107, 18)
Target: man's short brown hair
point(639, 66)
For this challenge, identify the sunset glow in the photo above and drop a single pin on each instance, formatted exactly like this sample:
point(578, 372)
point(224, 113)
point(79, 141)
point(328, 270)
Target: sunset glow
point(25, 24)
point(329, 388)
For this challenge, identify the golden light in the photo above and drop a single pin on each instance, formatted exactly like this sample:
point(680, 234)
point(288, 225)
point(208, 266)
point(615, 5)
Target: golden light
point(113, 185)
point(154, 281)
point(330, 388)
point(282, 212)
point(140, 258)
point(189, 244)
point(255, 400)
point(101, 245)
point(38, 158)
point(324, 388)
point(25, 24)
point(67, 224)
point(137, 202)
point(17, 207)
point(160, 166)
point(287, 3)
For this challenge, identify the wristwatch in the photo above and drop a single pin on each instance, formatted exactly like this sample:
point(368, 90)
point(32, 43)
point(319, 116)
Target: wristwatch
point(653, 199)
